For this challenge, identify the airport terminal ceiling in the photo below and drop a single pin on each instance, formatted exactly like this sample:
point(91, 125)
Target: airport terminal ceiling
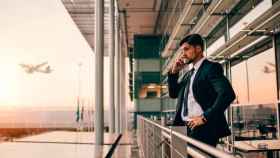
point(137, 17)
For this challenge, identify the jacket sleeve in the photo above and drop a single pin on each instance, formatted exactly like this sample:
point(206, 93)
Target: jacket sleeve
point(224, 90)
point(173, 86)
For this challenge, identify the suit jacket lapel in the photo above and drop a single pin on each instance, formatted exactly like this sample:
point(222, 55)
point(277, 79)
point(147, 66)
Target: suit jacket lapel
point(185, 78)
point(198, 73)
point(181, 93)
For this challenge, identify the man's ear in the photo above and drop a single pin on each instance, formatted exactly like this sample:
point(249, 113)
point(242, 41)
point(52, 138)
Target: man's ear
point(198, 48)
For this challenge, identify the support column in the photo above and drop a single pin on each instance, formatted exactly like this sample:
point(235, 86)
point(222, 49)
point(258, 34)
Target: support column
point(121, 85)
point(112, 67)
point(276, 47)
point(123, 118)
point(120, 80)
point(227, 26)
point(117, 75)
point(99, 60)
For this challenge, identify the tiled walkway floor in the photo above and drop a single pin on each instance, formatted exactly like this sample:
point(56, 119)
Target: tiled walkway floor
point(63, 144)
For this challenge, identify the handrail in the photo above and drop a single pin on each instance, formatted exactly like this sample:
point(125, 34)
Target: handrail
point(202, 146)
point(191, 150)
point(237, 105)
point(169, 110)
point(254, 104)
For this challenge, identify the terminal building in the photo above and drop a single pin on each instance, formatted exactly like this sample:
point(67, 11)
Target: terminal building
point(241, 35)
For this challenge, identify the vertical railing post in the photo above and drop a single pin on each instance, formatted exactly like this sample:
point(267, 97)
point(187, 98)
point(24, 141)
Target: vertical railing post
point(154, 140)
point(144, 143)
point(163, 123)
point(171, 142)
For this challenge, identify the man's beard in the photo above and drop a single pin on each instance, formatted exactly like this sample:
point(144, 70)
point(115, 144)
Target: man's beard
point(189, 61)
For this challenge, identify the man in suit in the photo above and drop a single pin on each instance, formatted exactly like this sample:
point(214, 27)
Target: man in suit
point(202, 95)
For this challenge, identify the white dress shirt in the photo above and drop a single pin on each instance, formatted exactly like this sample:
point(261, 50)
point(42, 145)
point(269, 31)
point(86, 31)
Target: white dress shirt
point(194, 109)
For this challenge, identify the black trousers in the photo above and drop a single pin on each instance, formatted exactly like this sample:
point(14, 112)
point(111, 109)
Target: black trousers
point(205, 134)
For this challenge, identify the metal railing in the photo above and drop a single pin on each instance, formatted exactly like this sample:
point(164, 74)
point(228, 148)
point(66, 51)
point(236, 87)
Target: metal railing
point(157, 141)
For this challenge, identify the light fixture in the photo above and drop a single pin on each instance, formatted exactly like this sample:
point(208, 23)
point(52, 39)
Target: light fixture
point(151, 87)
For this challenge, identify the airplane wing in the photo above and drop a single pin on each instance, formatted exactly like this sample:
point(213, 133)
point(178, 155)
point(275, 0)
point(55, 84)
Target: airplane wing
point(25, 66)
point(40, 65)
point(270, 64)
point(30, 68)
point(267, 69)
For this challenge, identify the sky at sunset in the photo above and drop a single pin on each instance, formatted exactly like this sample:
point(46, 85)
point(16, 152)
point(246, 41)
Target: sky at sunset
point(37, 31)
point(262, 86)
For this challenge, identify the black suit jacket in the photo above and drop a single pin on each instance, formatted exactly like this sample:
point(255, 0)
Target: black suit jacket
point(211, 90)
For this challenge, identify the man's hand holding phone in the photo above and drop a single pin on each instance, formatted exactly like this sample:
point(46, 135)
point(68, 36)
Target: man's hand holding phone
point(178, 65)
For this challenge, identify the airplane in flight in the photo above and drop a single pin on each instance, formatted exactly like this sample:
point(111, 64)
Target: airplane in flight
point(269, 68)
point(29, 68)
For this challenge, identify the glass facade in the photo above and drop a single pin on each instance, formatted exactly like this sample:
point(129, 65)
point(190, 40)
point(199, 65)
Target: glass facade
point(254, 122)
point(250, 66)
point(252, 69)
point(262, 83)
point(240, 83)
point(255, 110)
point(253, 11)
point(254, 79)
point(250, 63)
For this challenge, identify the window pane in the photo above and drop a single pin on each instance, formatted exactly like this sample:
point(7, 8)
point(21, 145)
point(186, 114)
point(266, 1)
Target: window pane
point(255, 117)
point(262, 78)
point(239, 82)
point(255, 122)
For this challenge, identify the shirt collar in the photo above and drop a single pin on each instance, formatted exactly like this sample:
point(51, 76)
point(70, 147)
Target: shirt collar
point(198, 64)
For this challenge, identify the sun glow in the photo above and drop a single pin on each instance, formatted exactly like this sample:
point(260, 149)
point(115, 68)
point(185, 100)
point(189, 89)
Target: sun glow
point(9, 83)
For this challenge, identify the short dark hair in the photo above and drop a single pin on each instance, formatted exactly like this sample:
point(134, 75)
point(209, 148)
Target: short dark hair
point(194, 40)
